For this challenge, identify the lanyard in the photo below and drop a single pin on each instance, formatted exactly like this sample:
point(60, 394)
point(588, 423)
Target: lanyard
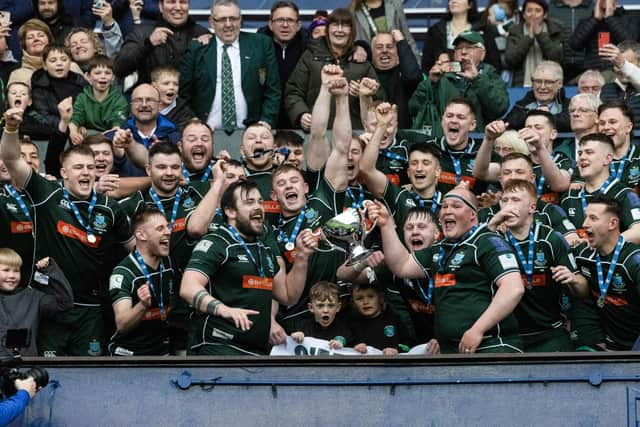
point(601, 190)
point(617, 174)
point(204, 178)
point(540, 186)
point(92, 204)
point(240, 240)
point(354, 204)
point(18, 197)
point(174, 210)
point(527, 263)
point(456, 162)
point(441, 257)
point(603, 285)
point(393, 156)
point(145, 271)
point(372, 25)
point(290, 241)
point(435, 200)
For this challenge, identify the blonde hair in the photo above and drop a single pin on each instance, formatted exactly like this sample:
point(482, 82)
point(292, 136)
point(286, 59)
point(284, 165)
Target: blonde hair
point(10, 257)
point(511, 139)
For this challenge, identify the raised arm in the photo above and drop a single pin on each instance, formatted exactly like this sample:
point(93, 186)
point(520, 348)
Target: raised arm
point(336, 169)
point(199, 220)
point(483, 168)
point(368, 88)
point(374, 179)
point(318, 148)
point(557, 179)
point(19, 170)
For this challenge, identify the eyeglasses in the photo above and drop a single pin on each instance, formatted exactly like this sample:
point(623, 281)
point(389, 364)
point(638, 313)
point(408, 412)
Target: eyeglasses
point(139, 101)
point(227, 20)
point(283, 21)
point(542, 82)
point(581, 110)
point(340, 24)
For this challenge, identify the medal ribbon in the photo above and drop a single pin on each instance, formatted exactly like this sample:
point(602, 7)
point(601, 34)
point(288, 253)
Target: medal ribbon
point(441, 257)
point(92, 205)
point(14, 193)
point(393, 156)
point(296, 229)
point(240, 240)
point(603, 285)
point(204, 178)
point(456, 162)
point(360, 202)
point(583, 197)
point(527, 263)
point(145, 271)
point(174, 210)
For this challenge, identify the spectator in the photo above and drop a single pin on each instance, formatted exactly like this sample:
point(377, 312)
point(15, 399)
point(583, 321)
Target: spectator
point(52, 13)
point(289, 41)
point(101, 106)
point(337, 47)
point(462, 16)
point(84, 44)
point(570, 13)
point(477, 81)
point(163, 42)
point(132, 13)
point(503, 14)
point(212, 73)
point(26, 307)
point(318, 26)
point(145, 127)
point(34, 36)
point(54, 83)
point(546, 94)
point(583, 109)
point(376, 16)
point(626, 60)
point(591, 81)
point(398, 71)
point(7, 62)
point(166, 80)
point(607, 18)
point(510, 142)
point(537, 39)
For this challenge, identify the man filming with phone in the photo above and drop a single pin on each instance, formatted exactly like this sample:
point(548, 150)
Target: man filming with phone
point(466, 76)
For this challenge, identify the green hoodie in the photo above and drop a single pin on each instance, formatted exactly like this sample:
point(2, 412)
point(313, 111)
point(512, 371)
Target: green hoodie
point(103, 115)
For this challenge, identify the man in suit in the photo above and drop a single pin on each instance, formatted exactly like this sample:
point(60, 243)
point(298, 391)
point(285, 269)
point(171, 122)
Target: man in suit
point(233, 80)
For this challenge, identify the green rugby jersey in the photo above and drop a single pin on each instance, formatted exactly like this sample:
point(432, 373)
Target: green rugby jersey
point(399, 200)
point(16, 230)
point(150, 337)
point(465, 275)
point(59, 234)
point(564, 163)
point(620, 316)
point(548, 214)
point(627, 169)
point(235, 280)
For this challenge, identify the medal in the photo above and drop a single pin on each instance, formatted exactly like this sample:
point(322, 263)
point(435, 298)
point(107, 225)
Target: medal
point(290, 240)
point(603, 284)
point(527, 263)
point(289, 246)
point(155, 293)
point(91, 238)
point(600, 302)
point(163, 315)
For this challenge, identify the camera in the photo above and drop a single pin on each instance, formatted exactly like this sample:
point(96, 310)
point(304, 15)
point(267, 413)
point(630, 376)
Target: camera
point(9, 366)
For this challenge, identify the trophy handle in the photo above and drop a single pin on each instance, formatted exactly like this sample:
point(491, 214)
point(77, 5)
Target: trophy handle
point(321, 236)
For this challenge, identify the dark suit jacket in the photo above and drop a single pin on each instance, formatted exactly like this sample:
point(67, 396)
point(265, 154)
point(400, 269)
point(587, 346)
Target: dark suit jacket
point(260, 79)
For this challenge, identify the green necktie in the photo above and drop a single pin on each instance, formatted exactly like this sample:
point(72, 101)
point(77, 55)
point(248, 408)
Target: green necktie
point(228, 96)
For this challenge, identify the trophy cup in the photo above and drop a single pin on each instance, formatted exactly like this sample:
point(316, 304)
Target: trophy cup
point(350, 226)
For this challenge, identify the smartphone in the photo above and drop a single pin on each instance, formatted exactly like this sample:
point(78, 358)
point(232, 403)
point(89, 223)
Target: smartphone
point(603, 38)
point(5, 18)
point(98, 4)
point(454, 67)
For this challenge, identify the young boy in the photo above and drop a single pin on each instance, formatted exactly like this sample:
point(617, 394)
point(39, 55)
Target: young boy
point(101, 106)
point(372, 324)
point(23, 308)
point(54, 83)
point(33, 124)
point(166, 80)
point(324, 305)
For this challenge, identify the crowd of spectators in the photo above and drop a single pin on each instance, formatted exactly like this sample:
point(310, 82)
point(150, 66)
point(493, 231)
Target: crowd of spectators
point(132, 235)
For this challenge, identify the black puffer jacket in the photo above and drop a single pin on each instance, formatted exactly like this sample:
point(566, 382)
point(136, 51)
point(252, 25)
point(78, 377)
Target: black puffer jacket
point(47, 92)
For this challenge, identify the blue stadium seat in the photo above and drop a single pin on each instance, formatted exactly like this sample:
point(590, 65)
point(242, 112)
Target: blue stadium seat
point(516, 94)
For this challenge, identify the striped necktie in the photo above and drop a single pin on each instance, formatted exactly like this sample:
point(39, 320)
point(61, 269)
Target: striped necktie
point(228, 96)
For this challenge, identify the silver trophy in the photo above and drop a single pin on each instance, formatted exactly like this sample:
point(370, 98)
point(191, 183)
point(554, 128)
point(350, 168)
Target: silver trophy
point(350, 226)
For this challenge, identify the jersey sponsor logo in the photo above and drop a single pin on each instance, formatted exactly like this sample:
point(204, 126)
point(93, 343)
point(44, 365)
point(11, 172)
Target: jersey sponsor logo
point(271, 206)
point(203, 246)
point(12, 208)
point(571, 211)
point(450, 178)
point(243, 258)
point(290, 256)
point(21, 227)
point(393, 178)
point(180, 224)
point(257, 282)
point(444, 280)
point(115, 281)
point(65, 204)
point(508, 261)
point(410, 203)
point(154, 314)
point(616, 301)
point(418, 306)
point(585, 272)
point(537, 280)
point(75, 233)
point(389, 331)
point(552, 198)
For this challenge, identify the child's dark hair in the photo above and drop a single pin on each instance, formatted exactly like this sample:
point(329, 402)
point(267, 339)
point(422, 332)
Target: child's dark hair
point(363, 286)
point(323, 291)
point(55, 48)
point(100, 61)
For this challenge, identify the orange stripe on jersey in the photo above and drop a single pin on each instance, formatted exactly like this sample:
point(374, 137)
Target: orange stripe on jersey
point(154, 313)
point(73, 232)
point(553, 198)
point(271, 206)
point(393, 178)
point(445, 280)
point(180, 224)
point(450, 178)
point(536, 280)
point(610, 299)
point(257, 282)
point(21, 227)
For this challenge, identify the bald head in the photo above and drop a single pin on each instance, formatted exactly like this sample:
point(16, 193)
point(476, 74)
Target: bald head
point(464, 195)
point(145, 101)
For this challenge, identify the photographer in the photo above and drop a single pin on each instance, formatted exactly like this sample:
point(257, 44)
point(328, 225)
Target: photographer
point(13, 406)
point(23, 308)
